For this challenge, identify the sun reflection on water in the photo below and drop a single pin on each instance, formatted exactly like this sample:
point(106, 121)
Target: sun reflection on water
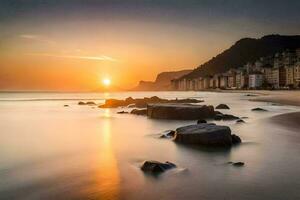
point(108, 177)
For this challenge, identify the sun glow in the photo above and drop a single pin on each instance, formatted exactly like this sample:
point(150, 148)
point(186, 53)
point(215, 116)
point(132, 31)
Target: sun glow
point(106, 81)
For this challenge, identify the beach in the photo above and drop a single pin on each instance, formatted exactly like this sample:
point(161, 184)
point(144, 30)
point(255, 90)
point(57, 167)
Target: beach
point(49, 151)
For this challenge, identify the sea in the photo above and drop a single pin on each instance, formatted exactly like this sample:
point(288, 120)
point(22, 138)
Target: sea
point(49, 151)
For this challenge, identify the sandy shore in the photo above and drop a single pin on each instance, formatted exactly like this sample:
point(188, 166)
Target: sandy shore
point(281, 97)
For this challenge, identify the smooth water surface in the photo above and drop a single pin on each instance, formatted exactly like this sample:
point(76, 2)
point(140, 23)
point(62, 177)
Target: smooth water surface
point(49, 151)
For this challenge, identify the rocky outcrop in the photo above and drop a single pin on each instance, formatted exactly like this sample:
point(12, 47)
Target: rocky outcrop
point(259, 109)
point(222, 106)
point(142, 102)
point(162, 82)
point(206, 135)
point(139, 112)
point(156, 167)
point(179, 111)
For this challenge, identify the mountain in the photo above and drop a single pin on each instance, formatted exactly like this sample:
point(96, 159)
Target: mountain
point(162, 81)
point(243, 51)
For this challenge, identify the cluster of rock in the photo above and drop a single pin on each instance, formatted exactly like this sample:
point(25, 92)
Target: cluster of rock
point(142, 102)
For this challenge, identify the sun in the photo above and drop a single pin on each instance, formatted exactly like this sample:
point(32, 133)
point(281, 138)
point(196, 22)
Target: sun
point(106, 82)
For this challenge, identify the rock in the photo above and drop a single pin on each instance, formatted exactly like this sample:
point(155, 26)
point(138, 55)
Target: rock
point(259, 109)
point(201, 121)
point(139, 111)
point(122, 112)
point(244, 117)
point(90, 103)
point(113, 103)
point(229, 117)
point(142, 103)
point(225, 117)
point(238, 164)
point(156, 167)
point(235, 139)
point(66, 105)
point(240, 121)
point(81, 103)
point(131, 105)
point(179, 111)
point(204, 134)
point(218, 117)
point(222, 106)
point(168, 134)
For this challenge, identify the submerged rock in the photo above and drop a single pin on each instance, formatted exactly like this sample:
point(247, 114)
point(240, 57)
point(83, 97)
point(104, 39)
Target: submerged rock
point(240, 121)
point(201, 121)
point(222, 106)
point(156, 167)
point(168, 134)
point(122, 112)
point(225, 117)
point(205, 134)
point(179, 111)
point(81, 103)
point(139, 111)
point(259, 109)
point(238, 164)
point(90, 103)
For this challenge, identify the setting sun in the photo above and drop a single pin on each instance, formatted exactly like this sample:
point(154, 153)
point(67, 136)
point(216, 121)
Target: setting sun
point(106, 82)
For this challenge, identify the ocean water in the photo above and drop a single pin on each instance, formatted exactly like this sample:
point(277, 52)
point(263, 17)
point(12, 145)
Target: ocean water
point(48, 151)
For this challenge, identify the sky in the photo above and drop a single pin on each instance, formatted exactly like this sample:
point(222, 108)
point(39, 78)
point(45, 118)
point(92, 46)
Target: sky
point(72, 45)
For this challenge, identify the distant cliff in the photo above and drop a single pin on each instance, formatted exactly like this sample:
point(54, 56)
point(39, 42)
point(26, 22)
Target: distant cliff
point(162, 81)
point(243, 51)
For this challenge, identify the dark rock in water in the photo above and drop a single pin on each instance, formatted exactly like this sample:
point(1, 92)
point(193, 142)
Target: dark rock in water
point(139, 111)
point(229, 117)
point(238, 164)
point(168, 134)
point(225, 117)
point(156, 167)
point(122, 112)
point(90, 103)
point(81, 103)
point(235, 139)
point(251, 95)
point(240, 121)
point(222, 106)
point(218, 112)
point(259, 109)
point(201, 121)
point(179, 111)
point(142, 102)
point(204, 134)
point(66, 105)
point(218, 117)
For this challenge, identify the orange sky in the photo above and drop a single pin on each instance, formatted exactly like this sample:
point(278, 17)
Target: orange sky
point(72, 45)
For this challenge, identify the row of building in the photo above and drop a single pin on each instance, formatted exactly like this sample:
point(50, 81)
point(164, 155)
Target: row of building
point(281, 70)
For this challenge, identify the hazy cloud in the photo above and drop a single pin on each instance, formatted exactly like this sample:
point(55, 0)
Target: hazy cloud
point(99, 58)
point(36, 38)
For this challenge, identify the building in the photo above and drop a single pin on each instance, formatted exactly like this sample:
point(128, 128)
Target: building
point(224, 81)
point(255, 80)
